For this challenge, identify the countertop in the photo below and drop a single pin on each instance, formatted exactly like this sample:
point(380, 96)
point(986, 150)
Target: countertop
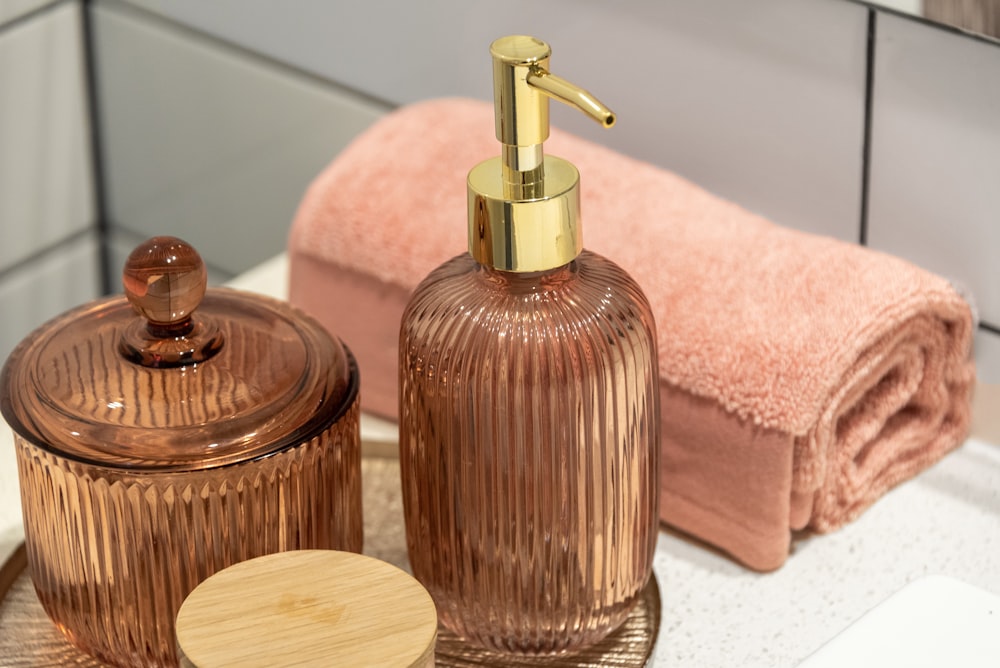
point(946, 521)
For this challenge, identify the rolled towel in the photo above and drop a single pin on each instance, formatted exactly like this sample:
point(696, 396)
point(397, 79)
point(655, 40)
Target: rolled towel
point(801, 377)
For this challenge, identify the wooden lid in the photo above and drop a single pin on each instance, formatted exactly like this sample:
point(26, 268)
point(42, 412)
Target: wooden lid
point(308, 608)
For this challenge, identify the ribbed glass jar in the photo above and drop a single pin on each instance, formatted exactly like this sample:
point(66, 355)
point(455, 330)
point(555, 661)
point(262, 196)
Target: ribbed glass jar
point(529, 446)
point(113, 553)
point(156, 447)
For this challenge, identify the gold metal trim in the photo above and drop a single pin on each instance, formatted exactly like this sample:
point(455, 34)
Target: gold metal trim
point(525, 235)
point(524, 208)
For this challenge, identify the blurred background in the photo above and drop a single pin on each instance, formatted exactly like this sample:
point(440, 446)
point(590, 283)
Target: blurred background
point(121, 119)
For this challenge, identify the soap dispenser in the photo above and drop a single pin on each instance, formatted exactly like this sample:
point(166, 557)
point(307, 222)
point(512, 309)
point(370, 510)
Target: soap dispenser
point(529, 406)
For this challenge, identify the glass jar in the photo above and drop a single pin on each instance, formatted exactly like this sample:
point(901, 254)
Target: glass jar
point(157, 449)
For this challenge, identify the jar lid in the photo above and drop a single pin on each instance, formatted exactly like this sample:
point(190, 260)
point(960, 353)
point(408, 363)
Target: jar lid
point(170, 389)
point(308, 607)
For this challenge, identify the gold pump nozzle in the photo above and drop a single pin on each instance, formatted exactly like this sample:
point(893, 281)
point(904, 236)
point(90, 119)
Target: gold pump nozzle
point(522, 86)
point(524, 211)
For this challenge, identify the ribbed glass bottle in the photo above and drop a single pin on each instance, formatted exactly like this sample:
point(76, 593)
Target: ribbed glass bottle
point(529, 416)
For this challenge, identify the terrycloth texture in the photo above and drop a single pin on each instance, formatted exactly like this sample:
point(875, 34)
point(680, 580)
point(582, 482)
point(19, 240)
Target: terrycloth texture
point(801, 377)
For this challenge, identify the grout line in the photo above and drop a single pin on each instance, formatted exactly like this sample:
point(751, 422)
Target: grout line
point(77, 237)
point(920, 19)
point(866, 143)
point(150, 16)
point(98, 173)
point(31, 15)
point(986, 327)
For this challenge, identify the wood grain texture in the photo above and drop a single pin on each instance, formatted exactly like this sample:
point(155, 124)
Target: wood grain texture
point(308, 607)
point(977, 16)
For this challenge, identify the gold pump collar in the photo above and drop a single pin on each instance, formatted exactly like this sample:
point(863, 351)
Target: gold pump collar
point(524, 207)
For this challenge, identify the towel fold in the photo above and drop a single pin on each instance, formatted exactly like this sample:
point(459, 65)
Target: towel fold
point(801, 377)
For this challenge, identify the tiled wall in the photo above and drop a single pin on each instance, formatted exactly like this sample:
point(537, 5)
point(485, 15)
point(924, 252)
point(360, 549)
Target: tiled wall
point(215, 116)
point(209, 143)
point(49, 257)
point(935, 156)
point(735, 95)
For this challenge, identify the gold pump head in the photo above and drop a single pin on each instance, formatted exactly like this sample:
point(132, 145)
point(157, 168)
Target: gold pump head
point(524, 207)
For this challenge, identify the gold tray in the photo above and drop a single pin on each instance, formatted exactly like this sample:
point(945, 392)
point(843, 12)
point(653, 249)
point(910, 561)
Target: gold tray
point(29, 639)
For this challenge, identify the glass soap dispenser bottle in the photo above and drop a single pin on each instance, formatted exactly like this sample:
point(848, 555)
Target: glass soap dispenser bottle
point(529, 404)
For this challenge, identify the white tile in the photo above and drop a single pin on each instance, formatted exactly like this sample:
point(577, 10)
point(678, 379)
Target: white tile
point(987, 350)
point(55, 282)
point(935, 170)
point(760, 102)
point(210, 145)
point(11, 9)
point(45, 180)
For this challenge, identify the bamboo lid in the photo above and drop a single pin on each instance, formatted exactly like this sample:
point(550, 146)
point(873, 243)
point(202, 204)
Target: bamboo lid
point(308, 608)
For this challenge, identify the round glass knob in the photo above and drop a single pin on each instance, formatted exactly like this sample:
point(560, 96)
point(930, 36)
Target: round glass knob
point(164, 279)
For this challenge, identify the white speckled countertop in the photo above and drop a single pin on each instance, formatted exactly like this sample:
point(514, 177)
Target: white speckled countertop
point(717, 613)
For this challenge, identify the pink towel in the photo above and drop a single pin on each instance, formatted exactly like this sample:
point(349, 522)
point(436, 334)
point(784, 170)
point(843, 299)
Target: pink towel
point(801, 377)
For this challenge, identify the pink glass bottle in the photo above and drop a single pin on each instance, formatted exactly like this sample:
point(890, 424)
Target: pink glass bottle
point(529, 406)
